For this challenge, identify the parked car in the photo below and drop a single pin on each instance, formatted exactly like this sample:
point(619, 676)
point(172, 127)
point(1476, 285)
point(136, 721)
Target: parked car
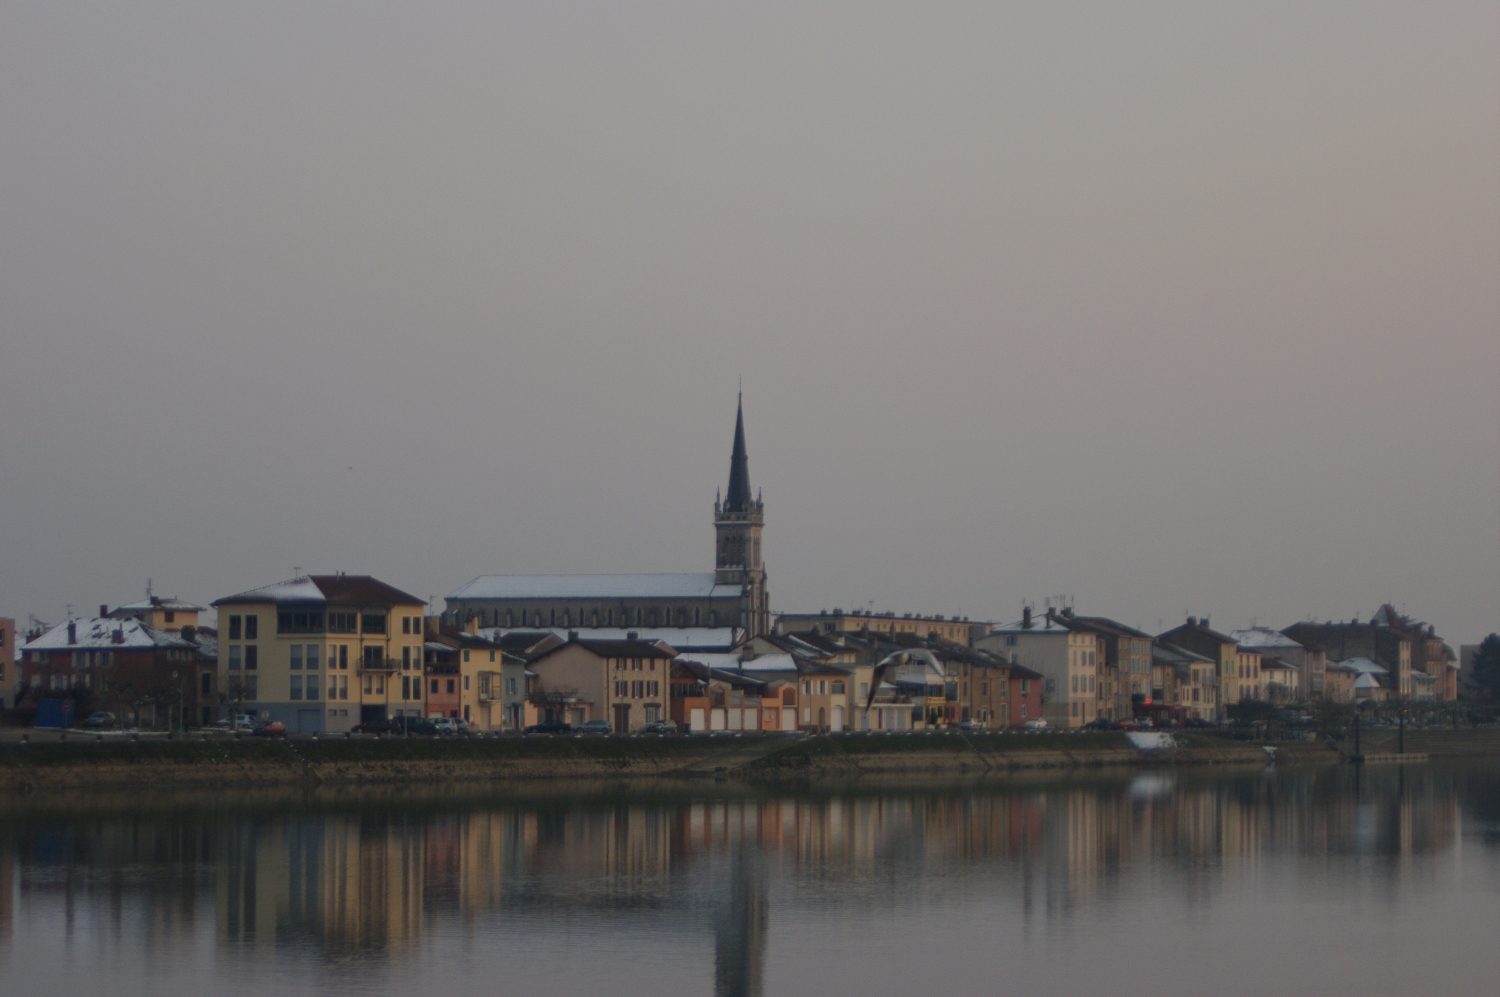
point(271, 728)
point(99, 719)
point(593, 727)
point(550, 727)
point(445, 725)
point(1035, 723)
point(971, 725)
point(243, 721)
point(1102, 723)
point(660, 727)
point(1198, 722)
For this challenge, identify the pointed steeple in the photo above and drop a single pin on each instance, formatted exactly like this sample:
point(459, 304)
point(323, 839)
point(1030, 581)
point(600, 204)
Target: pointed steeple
point(738, 498)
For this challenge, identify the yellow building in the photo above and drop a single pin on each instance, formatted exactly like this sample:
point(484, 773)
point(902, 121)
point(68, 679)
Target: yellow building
point(321, 653)
point(949, 628)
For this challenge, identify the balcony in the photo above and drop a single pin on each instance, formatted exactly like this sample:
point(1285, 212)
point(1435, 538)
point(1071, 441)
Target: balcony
point(375, 661)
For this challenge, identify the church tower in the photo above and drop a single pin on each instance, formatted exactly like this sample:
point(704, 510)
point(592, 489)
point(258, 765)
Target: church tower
point(738, 521)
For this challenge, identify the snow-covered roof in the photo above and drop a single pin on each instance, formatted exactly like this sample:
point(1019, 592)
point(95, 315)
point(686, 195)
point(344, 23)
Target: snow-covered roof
point(175, 605)
point(543, 587)
point(708, 639)
point(1363, 666)
point(1259, 637)
point(93, 632)
point(777, 661)
point(355, 590)
point(1039, 625)
point(1366, 681)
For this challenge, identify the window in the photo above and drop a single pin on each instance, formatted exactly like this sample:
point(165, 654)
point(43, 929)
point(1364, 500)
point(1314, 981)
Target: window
point(341, 623)
point(838, 688)
point(312, 657)
point(296, 658)
point(450, 687)
point(343, 657)
point(466, 655)
point(1075, 709)
point(234, 628)
point(510, 686)
point(380, 685)
point(299, 622)
point(250, 688)
point(252, 657)
point(406, 624)
point(1010, 641)
point(374, 657)
point(207, 686)
point(236, 657)
point(636, 690)
point(406, 659)
point(343, 687)
point(466, 683)
point(653, 714)
point(864, 690)
point(1026, 687)
point(434, 687)
point(252, 627)
point(296, 687)
point(372, 623)
point(369, 685)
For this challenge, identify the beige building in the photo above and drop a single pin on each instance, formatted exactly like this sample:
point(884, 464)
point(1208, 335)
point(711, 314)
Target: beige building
point(1195, 635)
point(890, 624)
point(623, 681)
point(1065, 654)
point(321, 652)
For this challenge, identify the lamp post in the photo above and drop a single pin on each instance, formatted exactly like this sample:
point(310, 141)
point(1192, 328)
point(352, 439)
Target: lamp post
point(181, 727)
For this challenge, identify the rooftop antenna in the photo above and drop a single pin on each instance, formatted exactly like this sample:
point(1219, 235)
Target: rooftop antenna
point(70, 610)
point(296, 571)
point(148, 589)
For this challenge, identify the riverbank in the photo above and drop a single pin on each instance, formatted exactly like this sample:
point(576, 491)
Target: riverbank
point(44, 765)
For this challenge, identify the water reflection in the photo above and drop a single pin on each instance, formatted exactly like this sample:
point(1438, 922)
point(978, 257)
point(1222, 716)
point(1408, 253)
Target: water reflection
point(698, 878)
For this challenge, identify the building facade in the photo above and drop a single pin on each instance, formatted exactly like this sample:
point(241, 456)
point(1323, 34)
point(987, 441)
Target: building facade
point(321, 653)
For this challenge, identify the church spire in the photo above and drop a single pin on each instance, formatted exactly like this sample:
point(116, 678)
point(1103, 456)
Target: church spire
point(738, 498)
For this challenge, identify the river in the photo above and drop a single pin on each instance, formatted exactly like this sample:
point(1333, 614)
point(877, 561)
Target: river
point(1193, 881)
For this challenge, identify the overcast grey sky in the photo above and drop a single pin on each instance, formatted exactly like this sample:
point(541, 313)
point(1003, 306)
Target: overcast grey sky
point(1169, 307)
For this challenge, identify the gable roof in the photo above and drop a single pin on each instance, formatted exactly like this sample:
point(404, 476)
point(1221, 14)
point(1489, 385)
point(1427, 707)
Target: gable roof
point(353, 590)
point(696, 585)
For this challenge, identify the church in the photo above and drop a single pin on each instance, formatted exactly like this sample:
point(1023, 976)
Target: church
point(732, 595)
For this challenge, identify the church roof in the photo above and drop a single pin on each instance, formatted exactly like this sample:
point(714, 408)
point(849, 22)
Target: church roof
point(738, 499)
point(697, 585)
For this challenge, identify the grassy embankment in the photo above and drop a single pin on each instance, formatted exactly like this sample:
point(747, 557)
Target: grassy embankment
point(243, 762)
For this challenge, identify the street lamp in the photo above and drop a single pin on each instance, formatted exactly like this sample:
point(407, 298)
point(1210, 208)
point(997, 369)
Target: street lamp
point(181, 727)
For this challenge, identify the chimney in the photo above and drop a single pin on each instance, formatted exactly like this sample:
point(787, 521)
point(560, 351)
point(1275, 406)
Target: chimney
point(103, 609)
point(1192, 621)
point(1068, 612)
point(747, 653)
point(629, 634)
point(471, 626)
point(72, 633)
point(118, 636)
point(1205, 622)
point(1026, 618)
point(190, 634)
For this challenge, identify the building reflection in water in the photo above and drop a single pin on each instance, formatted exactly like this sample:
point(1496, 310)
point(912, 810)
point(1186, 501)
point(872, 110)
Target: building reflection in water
point(338, 882)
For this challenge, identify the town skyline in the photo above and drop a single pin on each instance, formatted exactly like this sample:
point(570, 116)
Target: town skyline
point(1174, 311)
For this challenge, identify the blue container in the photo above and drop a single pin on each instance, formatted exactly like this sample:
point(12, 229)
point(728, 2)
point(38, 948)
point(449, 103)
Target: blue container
point(56, 713)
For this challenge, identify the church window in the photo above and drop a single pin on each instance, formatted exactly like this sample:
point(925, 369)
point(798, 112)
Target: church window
point(611, 617)
point(695, 617)
point(554, 617)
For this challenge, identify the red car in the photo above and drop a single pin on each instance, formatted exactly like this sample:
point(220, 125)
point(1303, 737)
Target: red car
point(271, 728)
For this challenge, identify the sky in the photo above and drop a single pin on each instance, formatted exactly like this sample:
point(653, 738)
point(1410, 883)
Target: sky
point(1165, 308)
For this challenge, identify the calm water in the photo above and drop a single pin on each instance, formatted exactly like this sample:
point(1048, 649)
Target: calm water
point(1252, 883)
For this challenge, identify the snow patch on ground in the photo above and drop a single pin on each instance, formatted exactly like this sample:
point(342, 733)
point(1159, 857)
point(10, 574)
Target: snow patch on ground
point(1144, 740)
